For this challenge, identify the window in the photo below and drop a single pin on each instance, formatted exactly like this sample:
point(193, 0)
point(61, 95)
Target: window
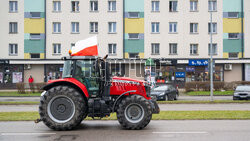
point(133, 56)
point(35, 36)
point(56, 27)
point(112, 48)
point(133, 35)
point(212, 5)
point(193, 49)
point(214, 49)
point(173, 48)
point(233, 35)
point(74, 6)
point(112, 5)
point(13, 6)
point(172, 27)
point(193, 27)
point(155, 27)
point(13, 27)
point(56, 6)
point(75, 27)
point(193, 5)
point(56, 48)
point(214, 27)
point(155, 6)
point(35, 15)
point(233, 54)
point(133, 14)
point(35, 55)
point(72, 45)
point(233, 14)
point(93, 5)
point(112, 27)
point(93, 27)
point(155, 48)
point(173, 6)
point(13, 49)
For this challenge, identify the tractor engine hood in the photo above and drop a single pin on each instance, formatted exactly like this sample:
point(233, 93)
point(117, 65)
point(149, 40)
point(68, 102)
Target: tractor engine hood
point(127, 80)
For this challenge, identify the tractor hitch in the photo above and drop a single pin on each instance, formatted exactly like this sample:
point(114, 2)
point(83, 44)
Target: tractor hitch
point(37, 120)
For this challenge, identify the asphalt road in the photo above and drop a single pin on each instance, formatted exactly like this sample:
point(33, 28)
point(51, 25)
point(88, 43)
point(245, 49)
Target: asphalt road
point(188, 130)
point(163, 107)
point(199, 98)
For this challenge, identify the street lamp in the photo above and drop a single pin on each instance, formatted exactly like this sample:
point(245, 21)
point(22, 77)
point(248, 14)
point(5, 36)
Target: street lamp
point(211, 58)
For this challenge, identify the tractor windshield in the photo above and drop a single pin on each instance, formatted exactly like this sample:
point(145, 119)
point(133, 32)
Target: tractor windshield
point(67, 69)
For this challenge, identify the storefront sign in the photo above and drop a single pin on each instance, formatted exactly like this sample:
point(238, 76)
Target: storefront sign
point(180, 79)
point(165, 62)
point(4, 61)
point(61, 69)
point(17, 77)
point(198, 62)
point(180, 74)
point(190, 69)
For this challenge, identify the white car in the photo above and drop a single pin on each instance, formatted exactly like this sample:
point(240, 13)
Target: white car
point(242, 92)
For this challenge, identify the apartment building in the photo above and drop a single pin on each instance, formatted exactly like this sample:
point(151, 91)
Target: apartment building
point(36, 34)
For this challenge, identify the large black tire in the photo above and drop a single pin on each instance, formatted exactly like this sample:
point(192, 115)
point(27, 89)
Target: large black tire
point(142, 112)
point(62, 108)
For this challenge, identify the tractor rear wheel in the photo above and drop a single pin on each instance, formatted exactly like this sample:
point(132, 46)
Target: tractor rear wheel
point(134, 112)
point(62, 108)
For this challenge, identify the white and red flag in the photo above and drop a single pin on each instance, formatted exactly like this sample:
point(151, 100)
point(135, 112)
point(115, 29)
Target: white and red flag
point(87, 47)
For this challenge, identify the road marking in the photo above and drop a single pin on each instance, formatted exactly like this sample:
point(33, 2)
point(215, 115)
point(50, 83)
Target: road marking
point(179, 132)
point(25, 134)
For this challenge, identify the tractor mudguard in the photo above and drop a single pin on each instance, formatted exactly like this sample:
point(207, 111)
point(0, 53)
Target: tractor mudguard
point(68, 82)
point(113, 109)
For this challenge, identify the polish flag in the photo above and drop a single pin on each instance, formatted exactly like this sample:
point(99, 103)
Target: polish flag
point(87, 47)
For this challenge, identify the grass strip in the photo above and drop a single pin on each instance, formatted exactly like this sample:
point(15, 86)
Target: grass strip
point(164, 115)
point(17, 94)
point(204, 102)
point(207, 93)
point(159, 102)
point(19, 103)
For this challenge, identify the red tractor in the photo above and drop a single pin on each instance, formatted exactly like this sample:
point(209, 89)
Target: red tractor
point(87, 89)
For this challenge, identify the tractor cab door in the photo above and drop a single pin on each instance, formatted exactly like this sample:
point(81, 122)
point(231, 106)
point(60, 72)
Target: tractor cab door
point(85, 72)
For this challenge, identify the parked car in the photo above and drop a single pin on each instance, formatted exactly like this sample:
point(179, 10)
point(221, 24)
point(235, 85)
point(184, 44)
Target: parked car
point(165, 92)
point(242, 92)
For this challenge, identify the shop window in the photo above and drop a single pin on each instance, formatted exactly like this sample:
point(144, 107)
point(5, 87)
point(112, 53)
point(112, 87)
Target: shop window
point(34, 55)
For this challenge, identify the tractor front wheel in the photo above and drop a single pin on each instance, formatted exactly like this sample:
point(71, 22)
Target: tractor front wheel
point(134, 112)
point(62, 108)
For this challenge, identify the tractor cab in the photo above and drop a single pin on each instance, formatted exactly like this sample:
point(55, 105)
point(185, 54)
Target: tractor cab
point(91, 71)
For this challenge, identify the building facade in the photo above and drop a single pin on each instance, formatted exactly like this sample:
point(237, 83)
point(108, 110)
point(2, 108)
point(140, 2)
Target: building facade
point(36, 34)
